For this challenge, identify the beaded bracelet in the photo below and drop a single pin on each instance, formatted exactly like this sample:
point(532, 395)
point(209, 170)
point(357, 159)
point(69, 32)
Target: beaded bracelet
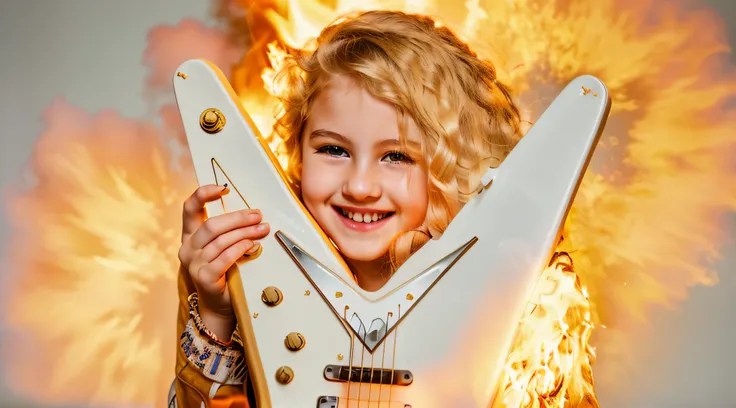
point(193, 300)
point(220, 364)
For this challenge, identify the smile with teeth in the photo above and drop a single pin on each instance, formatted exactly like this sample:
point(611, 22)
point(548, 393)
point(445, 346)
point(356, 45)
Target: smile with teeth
point(365, 218)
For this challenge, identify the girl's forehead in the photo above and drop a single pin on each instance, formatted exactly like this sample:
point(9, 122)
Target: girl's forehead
point(343, 102)
point(344, 107)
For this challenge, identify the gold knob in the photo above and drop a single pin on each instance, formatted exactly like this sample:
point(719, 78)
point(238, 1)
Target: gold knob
point(295, 341)
point(212, 120)
point(284, 375)
point(272, 296)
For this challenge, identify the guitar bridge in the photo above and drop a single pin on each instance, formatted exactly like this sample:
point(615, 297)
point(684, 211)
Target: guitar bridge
point(368, 375)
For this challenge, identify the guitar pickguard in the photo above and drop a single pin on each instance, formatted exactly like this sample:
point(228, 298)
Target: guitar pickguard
point(354, 309)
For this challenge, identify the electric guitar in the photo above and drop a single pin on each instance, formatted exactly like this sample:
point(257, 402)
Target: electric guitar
point(438, 333)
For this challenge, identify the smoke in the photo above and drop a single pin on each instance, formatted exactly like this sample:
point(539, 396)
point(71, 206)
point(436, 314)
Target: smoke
point(92, 293)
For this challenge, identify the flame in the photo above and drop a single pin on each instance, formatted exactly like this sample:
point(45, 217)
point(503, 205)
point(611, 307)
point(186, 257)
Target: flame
point(97, 235)
point(550, 361)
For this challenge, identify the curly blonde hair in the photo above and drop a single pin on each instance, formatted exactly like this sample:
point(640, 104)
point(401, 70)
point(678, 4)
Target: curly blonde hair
point(467, 118)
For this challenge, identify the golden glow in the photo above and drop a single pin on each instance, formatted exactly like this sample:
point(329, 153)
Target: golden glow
point(653, 154)
point(95, 253)
point(96, 260)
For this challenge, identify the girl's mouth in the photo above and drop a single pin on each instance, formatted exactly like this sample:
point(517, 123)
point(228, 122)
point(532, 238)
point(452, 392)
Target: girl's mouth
point(363, 220)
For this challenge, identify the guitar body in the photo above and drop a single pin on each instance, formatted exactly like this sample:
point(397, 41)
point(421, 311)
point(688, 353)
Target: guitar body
point(438, 333)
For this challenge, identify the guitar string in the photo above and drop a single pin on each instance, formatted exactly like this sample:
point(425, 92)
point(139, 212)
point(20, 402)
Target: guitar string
point(382, 370)
point(393, 357)
point(360, 372)
point(352, 354)
point(383, 360)
point(370, 379)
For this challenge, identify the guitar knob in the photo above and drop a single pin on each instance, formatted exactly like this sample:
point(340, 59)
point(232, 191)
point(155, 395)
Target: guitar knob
point(295, 341)
point(212, 120)
point(284, 375)
point(272, 296)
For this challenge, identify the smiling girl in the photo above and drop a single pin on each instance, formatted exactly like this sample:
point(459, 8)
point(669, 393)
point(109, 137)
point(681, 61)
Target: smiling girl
point(388, 126)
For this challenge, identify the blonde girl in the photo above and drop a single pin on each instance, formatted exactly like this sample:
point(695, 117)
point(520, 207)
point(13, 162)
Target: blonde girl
point(388, 125)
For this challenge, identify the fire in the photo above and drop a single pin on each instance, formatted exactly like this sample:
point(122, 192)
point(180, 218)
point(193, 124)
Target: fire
point(550, 362)
point(96, 236)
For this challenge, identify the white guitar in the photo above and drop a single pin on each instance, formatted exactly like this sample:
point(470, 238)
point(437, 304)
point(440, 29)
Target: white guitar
point(438, 333)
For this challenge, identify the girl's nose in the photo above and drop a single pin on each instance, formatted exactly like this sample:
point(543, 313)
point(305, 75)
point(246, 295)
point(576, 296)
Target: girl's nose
point(362, 184)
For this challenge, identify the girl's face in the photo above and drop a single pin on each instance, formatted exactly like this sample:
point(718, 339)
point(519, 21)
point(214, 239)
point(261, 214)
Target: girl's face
point(356, 181)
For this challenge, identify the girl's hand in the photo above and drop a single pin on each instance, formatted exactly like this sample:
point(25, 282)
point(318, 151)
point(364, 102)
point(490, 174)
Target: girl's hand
point(209, 248)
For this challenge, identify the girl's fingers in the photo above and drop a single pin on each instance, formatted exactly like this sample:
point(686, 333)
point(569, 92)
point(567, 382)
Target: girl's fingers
point(214, 271)
point(193, 214)
point(221, 224)
point(226, 240)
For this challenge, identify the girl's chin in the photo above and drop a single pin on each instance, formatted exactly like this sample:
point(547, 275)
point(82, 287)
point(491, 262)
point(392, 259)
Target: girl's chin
point(365, 258)
point(361, 254)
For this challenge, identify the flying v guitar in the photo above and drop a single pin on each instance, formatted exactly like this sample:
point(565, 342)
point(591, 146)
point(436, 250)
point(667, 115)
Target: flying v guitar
point(437, 334)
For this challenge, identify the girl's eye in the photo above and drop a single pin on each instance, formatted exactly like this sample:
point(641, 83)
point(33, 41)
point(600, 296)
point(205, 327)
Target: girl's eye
point(333, 151)
point(397, 157)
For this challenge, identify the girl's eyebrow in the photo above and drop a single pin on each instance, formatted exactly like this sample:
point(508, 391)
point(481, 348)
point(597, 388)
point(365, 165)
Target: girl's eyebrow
point(328, 133)
point(383, 143)
point(395, 142)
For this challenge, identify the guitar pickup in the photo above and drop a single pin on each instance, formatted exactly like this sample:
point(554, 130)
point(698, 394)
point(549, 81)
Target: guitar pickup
point(368, 375)
point(334, 402)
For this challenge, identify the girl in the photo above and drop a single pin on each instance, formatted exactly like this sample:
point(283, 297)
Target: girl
point(388, 126)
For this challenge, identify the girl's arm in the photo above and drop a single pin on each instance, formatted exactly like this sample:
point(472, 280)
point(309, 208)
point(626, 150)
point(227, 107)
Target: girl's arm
point(208, 370)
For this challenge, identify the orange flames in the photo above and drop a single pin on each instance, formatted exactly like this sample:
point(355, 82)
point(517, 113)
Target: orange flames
point(95, 247)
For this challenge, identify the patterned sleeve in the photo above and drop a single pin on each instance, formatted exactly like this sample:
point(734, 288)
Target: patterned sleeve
point(221, 362)
point(209, 373)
